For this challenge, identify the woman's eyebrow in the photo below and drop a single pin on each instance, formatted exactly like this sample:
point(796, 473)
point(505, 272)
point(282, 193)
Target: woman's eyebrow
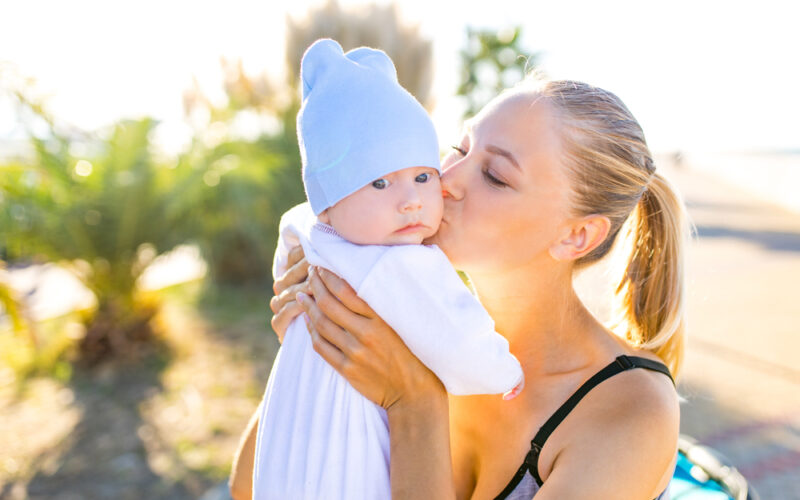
point(502, 152)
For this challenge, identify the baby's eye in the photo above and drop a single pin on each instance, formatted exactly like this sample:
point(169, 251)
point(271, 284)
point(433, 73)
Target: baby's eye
point(380, 184)
point(423, 177)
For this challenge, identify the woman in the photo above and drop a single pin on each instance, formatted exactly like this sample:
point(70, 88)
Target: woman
point(541, 185)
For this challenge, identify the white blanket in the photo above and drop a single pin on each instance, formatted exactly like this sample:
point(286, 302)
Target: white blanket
point(317, 436)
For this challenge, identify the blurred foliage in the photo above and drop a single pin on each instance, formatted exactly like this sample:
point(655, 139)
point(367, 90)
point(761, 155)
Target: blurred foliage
point(104, 215)
point(43, 351)
point(373, 25)
point(253, 180)
point(104, 205)
point(19, 347)
point(247, 186)
point(10, 305)
point(248, 182)
point(491, 61)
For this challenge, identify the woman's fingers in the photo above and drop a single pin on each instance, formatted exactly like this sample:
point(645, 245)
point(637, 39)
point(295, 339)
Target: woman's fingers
point(280, 320)
point(328, 351)
point(277, 302)
point(326, 329)
point(283, 305)
point(331, 307)
point(345, 293)
point(296, 254)
point(296, 273)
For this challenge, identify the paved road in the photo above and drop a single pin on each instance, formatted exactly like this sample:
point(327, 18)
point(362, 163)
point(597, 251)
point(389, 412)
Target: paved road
point(742, 376)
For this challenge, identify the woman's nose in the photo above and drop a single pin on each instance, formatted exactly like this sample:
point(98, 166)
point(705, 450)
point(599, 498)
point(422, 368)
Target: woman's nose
point(452, 181)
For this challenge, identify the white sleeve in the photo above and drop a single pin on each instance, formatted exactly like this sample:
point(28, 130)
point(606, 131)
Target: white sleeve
point(415, 289)
point(292, 223)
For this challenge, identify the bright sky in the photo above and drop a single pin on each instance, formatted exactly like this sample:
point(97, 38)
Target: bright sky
point(700, 75)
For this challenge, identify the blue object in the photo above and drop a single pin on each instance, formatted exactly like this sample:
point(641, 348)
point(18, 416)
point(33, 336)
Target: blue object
point(702, 473)
point(691, 483)
point(357, 123)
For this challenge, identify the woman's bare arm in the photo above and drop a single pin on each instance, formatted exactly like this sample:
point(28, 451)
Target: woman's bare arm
point(241, 479)
point(373, 358)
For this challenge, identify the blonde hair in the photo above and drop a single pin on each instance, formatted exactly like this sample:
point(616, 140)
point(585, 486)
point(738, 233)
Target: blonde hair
point(613, 174)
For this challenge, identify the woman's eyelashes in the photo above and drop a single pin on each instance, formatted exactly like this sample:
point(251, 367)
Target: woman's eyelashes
point(492, 179)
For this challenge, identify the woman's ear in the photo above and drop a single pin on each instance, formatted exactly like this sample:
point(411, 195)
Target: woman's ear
point(581, 237)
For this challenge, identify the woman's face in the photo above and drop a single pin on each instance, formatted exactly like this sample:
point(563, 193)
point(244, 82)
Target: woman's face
point(506, 194)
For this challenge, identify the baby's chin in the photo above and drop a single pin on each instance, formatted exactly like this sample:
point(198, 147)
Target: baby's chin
point(432, 239)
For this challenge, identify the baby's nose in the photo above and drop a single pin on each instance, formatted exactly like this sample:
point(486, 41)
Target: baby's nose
point(411, 202)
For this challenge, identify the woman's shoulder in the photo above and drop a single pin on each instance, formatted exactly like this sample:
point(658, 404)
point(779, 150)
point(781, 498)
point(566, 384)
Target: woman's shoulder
point(636, 398)
point(627, 424)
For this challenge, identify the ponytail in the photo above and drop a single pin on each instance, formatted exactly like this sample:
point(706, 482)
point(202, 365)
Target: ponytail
point(613, 175)
point(650, 300)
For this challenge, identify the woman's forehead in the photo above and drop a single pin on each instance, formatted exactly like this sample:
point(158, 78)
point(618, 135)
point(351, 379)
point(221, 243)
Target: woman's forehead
point(518, 111)
point(521, 122)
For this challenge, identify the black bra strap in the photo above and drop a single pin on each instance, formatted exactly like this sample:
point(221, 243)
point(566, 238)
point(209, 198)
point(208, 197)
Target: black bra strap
point(619, 365)
point(523, 469)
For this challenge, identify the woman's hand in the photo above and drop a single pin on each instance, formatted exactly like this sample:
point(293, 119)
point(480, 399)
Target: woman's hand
point(348, 334)
point(359, 345)
point(284, 306)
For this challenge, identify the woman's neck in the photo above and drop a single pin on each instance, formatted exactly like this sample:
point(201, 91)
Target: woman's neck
point(538, 313)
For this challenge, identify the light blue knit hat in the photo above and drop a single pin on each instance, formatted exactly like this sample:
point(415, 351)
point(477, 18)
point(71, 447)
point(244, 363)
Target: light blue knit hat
point(357, 123)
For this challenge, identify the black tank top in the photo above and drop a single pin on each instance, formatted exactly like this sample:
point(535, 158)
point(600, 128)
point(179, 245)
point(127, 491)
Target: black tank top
point(531, 462)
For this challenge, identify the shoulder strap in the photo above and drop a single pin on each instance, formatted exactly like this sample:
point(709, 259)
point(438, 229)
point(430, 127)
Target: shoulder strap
point(620, 364)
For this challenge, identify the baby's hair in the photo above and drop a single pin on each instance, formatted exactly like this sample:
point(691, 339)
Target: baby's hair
point(613, 174)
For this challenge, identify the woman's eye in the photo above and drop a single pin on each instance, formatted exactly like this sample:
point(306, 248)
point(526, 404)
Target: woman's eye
point(492, 179)
point(461, 151)
point(380, 184)
point(423, 177)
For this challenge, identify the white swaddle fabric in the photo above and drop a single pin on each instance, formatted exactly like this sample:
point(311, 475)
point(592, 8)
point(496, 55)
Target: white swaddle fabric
point(317, 436)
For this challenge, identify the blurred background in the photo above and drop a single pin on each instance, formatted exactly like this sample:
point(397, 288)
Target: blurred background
point(148, 149)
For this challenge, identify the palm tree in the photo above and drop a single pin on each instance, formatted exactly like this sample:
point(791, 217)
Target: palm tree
point(104, 216)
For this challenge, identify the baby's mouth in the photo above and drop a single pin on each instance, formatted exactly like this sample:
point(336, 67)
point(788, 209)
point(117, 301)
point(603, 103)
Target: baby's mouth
point(416, 226)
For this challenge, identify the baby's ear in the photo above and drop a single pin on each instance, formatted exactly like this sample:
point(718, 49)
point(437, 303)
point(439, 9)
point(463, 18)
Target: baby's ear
point(323, 217)
point(319, 58)
point(375, 59)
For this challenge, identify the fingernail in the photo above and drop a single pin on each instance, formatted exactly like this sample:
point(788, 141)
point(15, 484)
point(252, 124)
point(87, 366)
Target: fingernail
point(301, 297)
point(511, 394)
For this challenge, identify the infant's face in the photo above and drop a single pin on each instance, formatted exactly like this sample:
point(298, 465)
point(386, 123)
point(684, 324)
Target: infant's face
point(401, 208)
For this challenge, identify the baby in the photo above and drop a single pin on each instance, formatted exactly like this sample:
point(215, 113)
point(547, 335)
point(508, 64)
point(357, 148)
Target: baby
point(371, 173)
